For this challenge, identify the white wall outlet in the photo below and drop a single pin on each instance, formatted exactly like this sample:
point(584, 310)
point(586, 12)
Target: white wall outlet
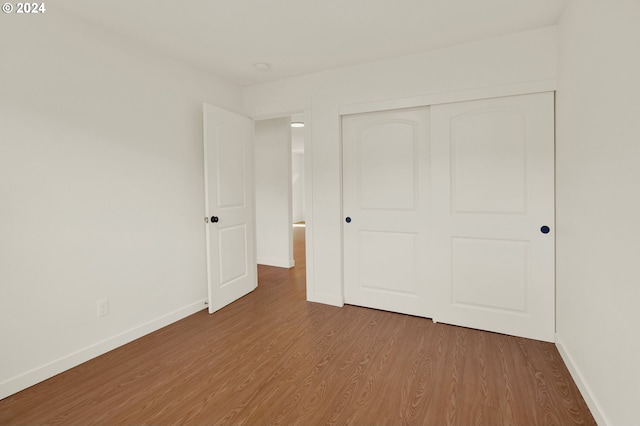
point(103, 307)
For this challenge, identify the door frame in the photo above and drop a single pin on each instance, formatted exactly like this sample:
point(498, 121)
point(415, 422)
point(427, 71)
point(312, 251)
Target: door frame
point(521, 89)
point(427, 100)
point(286, 110)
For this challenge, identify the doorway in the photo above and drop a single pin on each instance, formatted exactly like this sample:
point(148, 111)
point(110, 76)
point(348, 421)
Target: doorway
point(280, 187)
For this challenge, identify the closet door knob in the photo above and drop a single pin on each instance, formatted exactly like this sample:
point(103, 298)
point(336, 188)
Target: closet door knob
point(545, 229)
point(348, 219)
point(214, 219)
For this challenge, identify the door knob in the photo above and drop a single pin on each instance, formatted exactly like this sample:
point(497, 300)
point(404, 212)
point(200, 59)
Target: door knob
point(348, 219)
point(545, 229)
point(214, 219)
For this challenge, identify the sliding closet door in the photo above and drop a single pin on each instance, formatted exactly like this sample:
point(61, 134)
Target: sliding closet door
point(385, 205)
point(492, 168)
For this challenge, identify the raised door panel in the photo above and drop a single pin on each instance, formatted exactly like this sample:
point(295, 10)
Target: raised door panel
point(387, 170)
point(387, 261)
point(489, 274)
point(233, 254)
point(488, 162)
point(229, 158)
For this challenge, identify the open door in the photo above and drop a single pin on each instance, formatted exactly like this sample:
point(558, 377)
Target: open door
point(228, 174)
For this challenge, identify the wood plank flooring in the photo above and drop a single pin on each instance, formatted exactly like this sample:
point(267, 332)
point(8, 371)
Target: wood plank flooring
point(273, 358)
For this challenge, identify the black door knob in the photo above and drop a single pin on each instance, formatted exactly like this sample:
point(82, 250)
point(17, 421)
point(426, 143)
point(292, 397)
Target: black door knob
point(545, 229)
point(214, 219)
point(348, 219)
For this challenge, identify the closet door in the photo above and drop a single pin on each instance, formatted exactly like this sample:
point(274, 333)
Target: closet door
point(385, 205)
point(492, 168)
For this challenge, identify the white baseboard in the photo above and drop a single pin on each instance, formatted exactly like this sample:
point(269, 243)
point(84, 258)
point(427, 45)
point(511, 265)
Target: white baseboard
point(280, 263)
point(587, 394)
point(39, 374)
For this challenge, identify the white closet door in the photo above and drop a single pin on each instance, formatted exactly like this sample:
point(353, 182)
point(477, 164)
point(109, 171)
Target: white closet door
point(492, 165)
point(385, 192)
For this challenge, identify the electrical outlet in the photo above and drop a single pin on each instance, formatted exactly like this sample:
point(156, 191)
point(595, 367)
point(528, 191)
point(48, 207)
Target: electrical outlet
point(103, 307)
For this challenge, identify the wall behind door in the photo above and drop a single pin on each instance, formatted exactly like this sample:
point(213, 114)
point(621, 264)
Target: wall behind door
point(273, 192)
point(297, 178)
point(297, 169)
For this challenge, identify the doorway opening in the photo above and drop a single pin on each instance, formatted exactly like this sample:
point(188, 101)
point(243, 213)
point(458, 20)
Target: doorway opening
point(280, 188)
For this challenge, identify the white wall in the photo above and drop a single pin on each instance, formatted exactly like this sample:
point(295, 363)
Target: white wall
point(526, 58)
point(274, 238)
point(297, 170)
point(598, 203)
point(297, 189)
point(101, 192)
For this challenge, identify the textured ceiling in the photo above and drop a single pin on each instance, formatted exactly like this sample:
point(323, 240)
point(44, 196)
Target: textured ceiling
point(303, 36)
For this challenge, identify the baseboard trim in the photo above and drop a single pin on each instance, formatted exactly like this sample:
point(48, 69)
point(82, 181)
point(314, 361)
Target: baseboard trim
point(585, 389)
point(39, 374)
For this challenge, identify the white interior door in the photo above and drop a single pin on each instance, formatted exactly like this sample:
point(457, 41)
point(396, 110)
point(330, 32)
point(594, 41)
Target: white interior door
point(385, 193)
point(231, 259)
point(493, 195)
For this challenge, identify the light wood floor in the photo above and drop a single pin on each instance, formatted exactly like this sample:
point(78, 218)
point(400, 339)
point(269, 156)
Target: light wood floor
point(273, 358)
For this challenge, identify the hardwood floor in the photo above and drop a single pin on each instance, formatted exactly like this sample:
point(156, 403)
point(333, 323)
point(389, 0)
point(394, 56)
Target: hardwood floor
point(273, 358)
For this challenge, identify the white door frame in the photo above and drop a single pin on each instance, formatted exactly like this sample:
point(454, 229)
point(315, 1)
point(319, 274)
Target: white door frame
point(285, 110)
point(428, 101)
